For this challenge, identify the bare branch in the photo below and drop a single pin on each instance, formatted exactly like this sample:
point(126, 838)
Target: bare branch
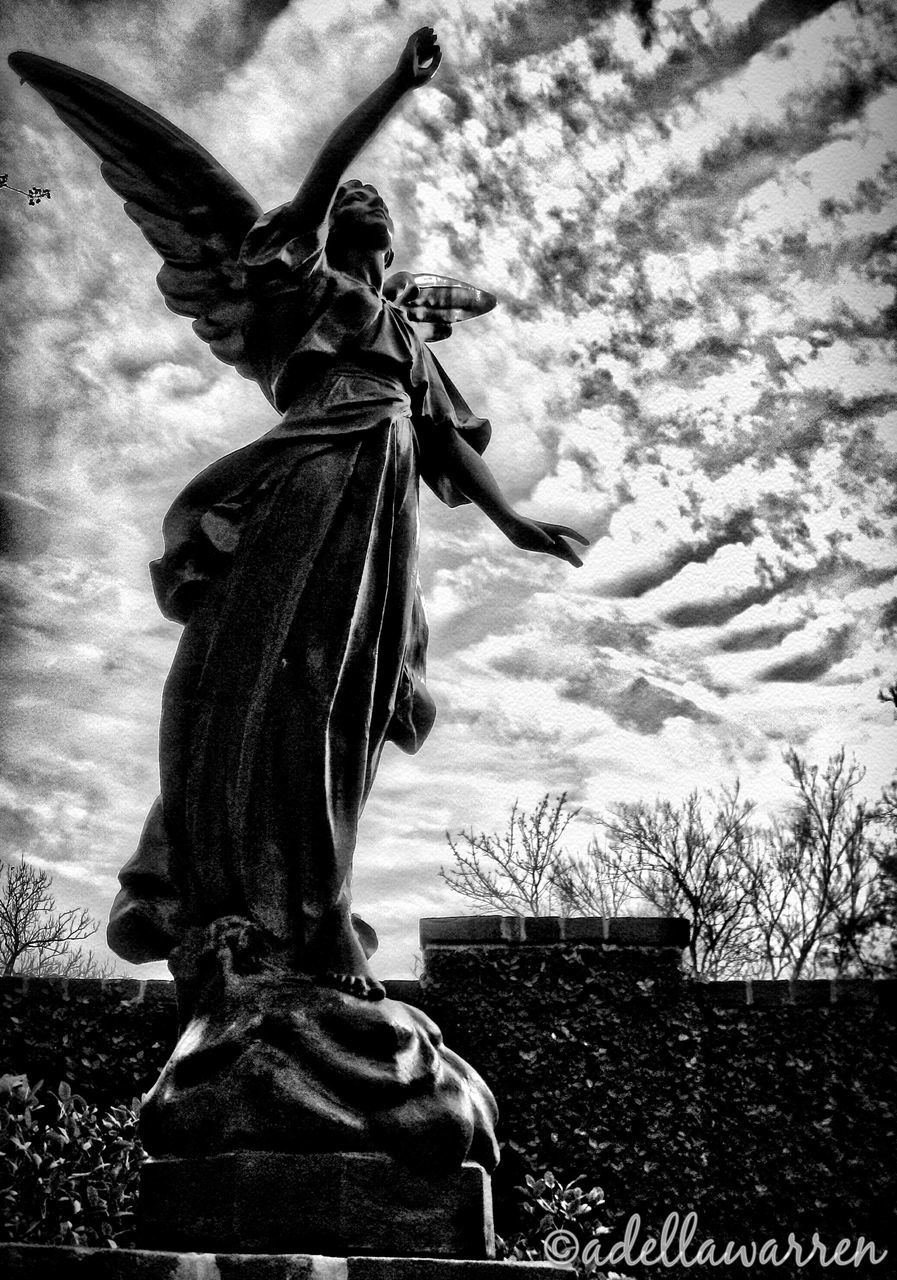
point(889, 694)
point(820, 899)
point(514, 871)
point(33, 195)
point(586, 887)
point(37, 939)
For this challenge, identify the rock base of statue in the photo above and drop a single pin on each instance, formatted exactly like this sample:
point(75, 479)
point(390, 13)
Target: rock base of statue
point(336, 1204)
point(271, 1061)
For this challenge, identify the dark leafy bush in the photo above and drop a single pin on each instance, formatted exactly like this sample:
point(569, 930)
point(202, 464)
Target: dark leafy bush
point(67, 1174)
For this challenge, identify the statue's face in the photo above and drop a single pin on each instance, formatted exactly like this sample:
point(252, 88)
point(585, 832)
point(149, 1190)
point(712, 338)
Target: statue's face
point(360, 214)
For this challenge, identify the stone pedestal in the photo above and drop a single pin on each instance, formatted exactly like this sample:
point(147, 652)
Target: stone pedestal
point(329, 1203)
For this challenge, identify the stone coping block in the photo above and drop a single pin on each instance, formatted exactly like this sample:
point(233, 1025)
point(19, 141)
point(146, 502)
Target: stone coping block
point(405, 989)
point(769, 991)
point(597, 931)
point(58, 1262)
point(466, 931)
point(334, 1203)
point(136, 990)
point(157, 991)
point(807, 992)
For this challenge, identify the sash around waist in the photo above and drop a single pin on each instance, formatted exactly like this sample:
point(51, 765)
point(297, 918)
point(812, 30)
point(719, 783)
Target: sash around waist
point(345, 398)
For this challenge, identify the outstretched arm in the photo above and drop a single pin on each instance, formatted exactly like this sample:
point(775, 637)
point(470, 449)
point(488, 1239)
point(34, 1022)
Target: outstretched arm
point(417, 64)
point(464, 466)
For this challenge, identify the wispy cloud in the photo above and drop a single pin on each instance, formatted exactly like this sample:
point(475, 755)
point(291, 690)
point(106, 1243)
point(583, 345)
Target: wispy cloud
point(692, 245)
point(811, 664)
point(736, 528)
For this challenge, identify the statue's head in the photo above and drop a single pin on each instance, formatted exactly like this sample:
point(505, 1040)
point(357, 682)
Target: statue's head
point(359, 217)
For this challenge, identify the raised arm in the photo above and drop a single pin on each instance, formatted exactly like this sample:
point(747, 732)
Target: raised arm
point(417, 64)
point(469, 472)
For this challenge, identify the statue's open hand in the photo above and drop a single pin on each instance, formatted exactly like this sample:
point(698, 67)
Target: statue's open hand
point(403, 291)
point(401, 288)
point(419, 59)
point(535, 535)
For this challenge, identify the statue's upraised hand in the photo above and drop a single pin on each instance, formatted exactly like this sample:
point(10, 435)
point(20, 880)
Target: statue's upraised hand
point(419, 59)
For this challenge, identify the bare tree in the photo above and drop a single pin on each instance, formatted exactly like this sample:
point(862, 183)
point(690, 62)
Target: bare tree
point(696, 860)
point(813, 893)
point(804, 896)
point(674, 860)
point(513, 871)
point(820, 894)
point(37, 939)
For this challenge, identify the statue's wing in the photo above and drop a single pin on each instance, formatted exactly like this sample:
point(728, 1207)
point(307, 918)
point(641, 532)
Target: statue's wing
point(192, 211)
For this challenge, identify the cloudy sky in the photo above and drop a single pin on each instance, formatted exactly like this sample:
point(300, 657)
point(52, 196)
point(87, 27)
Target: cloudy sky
point(693, 248)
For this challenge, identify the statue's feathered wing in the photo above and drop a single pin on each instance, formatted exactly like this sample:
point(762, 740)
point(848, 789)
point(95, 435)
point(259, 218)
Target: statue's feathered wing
point(191, 210)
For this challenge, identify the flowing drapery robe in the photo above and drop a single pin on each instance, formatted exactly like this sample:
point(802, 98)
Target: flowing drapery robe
point(293, 565)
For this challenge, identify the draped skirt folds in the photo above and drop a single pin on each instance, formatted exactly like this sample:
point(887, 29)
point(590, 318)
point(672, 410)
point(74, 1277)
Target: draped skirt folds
point(282, 693)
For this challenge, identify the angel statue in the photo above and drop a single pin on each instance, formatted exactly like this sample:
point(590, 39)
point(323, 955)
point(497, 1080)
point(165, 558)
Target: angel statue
point(292, 563)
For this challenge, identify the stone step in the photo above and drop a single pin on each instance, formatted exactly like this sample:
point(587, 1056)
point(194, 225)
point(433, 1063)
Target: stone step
point(56, 1262)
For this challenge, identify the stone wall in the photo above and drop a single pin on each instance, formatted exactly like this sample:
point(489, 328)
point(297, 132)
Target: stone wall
point(765, 1107)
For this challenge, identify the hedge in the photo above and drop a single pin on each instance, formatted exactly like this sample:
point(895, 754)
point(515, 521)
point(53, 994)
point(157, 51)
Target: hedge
point(763, 1119)
point(108, 1039)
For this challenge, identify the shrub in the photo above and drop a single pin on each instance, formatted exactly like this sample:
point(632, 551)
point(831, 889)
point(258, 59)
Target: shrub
point(67, 1175)
point(559, 1208)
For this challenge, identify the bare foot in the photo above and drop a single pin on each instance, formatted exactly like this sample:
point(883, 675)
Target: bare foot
point(340, 961)
point(355, 984)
